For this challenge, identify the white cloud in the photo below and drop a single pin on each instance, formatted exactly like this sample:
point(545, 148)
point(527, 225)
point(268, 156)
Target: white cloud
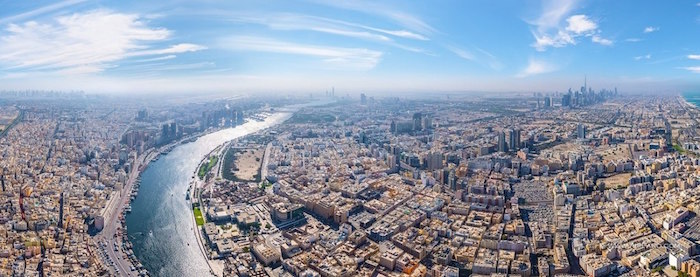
point(342, 58)
point(406, 20)
point(491, 60)
point(602, 41)
point(479, 56)
point(536, 67)
point(551, 32)
point(694, 69)
point(161, 58)
point(633, 40)
point(553, 12)
point(82, 42)
point(580, 24)
point(694, 57)
point(292, 21)
point(464, 54)
point(286, 21)
point(644, 57)
point(175, 49)
point(40, 11)
point(650, 29)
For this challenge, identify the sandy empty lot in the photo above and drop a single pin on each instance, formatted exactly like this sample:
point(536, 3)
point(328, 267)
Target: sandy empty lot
point(248, 163)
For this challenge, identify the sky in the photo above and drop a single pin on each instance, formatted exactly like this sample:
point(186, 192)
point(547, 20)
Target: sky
point(354, 46)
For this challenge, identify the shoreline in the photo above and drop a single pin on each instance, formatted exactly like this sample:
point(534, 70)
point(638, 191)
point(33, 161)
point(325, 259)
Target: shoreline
point(197, 183)
point(117, 214)
point(287, 112)
point(685, 101)
point(194, 185)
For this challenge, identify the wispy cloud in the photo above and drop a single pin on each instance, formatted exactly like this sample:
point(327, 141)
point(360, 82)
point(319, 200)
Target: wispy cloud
point(285, 21)
point(409, 21)
point(82, 42)
point(161, 58)
point(551, 31)
point(464, 54)
point(342, 58)
point(536, 67)
point(602, 41)
point(643, 57)
point(301, 22)
point(39, 11)
point(633, 40)
point(479, 56)
point(694, 57)
point(650, 29)
point(491, 60)
point(694, 69)
point(175, 49)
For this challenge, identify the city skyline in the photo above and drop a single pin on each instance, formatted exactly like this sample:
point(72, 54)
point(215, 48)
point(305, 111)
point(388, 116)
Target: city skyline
point(356, 46)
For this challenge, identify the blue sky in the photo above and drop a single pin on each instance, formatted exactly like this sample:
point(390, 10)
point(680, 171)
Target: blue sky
point(356, 46)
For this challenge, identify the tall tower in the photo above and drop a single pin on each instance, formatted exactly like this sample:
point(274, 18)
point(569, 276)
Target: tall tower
point(502, 145)
point(60, 211)
point(514, 139)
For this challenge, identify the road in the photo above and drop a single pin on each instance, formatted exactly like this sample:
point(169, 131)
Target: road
point(110, 238)
point(266, 159)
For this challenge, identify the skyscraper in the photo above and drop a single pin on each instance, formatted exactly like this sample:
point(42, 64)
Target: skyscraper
point(417, 121)
point(61, 207)
point(502, 145)
point(581, 131)
point(514, 139)
point(363, 99)
point(434, 160)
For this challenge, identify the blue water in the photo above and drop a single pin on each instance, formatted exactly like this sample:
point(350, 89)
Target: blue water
point(160, 226)
point(692, 98)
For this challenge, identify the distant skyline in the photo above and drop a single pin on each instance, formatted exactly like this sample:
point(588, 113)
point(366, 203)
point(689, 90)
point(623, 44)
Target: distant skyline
point(356, 46)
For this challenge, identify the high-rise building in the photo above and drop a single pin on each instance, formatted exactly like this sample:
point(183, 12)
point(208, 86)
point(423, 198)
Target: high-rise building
point(581, 131)
point(514, 139)
point(502, 145)
point(173, 129)
point(452, 180)
point(62, 206)
point(566, 100)
point(434, 160)
point(427, 122)
point(547, 102)
point(363, 99)
point(417, 121)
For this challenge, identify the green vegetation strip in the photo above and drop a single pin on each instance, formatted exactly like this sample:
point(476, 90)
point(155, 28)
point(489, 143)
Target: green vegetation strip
point(204, 169)
point(198, 216)
point(678, 148)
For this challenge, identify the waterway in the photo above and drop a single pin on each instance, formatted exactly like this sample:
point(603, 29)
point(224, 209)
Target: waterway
point(692, 98)
point(160, 225)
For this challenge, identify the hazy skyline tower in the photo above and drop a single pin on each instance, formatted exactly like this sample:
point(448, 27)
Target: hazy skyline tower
point(502, 144)
point(514, 139)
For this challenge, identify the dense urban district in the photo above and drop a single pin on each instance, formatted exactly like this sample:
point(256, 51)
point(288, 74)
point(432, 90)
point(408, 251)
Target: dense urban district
point(585, 182)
